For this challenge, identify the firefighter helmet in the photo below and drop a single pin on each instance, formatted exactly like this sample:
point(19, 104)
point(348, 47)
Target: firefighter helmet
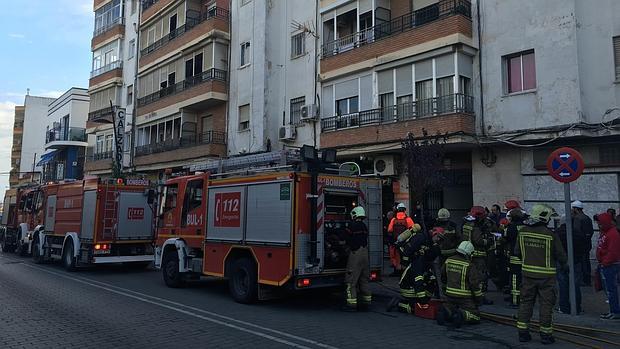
point(478, 212)
point(466, 248)
point(512, 204)
point(541, 213)
point(401, 207)
point(443, 214)
point(358, 212)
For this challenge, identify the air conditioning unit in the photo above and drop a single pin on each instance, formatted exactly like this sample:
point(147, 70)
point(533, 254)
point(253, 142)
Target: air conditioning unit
point(309, 112)
point(287, 133)
point(385, 165)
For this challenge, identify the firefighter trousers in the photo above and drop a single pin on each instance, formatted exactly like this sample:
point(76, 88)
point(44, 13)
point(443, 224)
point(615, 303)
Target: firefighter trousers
point(481, 266)
point(544, 290)
point(394, 257)
point(467, 307)
point(357, 277)
point(515, 283)
point(415, 285)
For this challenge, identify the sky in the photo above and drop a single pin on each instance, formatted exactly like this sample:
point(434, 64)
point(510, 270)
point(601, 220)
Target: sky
point(46, 48)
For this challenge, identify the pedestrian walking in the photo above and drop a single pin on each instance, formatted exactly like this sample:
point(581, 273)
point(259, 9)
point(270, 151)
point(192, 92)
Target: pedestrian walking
point(358, 268)
point(463, 291)
point(476, 230)
point(579, 249)
point(540, 250)
point(583, 227)
point(608, 257)
point(397, 226)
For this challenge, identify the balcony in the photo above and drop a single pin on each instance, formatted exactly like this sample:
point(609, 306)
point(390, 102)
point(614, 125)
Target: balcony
point(213, 19)
point(106, 68)
point(98, 160)
point(60, 137)
point(116, 27)
point(102, 115)
point(439, 20)
point(445, 114)
point(202, 87)
point(108, 72)
point(208, 144)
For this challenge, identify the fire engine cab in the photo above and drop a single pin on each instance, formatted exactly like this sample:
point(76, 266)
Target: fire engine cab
point(266, 222)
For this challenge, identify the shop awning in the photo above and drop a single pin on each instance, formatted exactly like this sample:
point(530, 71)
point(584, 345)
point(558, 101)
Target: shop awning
point(47, 157)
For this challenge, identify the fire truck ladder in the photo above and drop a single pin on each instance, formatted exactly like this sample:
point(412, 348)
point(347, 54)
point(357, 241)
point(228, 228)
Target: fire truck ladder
point(110, 212)
point(255, 162)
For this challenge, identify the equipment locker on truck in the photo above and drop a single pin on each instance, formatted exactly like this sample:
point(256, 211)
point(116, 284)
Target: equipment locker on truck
point(267, 222)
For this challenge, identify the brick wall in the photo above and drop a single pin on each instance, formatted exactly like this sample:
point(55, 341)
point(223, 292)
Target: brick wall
point(428, 32)
point(200, 89)
point(114, 73)
point(397, 131)
point(400, 7)
point(117, 30)
point(174, 45)
point(154, 9)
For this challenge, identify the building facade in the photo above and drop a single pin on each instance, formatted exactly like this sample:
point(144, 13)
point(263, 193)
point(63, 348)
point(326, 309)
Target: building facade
point(16, 148)
point(552, 82)
point(273, 75)
point(65, 136)
point(182, 84)
point(112, 84)
point(390, 68)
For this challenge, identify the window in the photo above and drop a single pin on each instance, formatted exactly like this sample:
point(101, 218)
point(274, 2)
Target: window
point(465, 86)
point(244, 117)
point(245, 2)
point(423, 97)
point(347, 106)
point(298, 45)
point(404, 106)
point(616, 41)
point(520, 72)
point(189, 68)
point(132, 49)
point(134, 6)
point(386, 101)
point(129, 94)
point(245, 54)
point(198, 64)
point(107, 16)
point(99, 145)
point(296, 104)
point(108, 143)
point(445, 91)
point(193, 200)
point(169, 201)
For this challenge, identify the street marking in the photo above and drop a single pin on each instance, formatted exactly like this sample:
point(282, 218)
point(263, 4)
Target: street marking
point(144, 298)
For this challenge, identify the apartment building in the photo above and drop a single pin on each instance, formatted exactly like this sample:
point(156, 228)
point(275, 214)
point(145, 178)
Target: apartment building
point(112, 81)
point(182, 84)
point(28, 140)
point(393, 67)
point(273, 68)
point(65, 136)
point(552, 80)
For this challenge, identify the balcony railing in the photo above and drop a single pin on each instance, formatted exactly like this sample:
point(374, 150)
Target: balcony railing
point(449, 104)
point(106, 68)
point(442, 9)
point(148, 3)
point(193, 19)
point(108, 26)
point(72, 134)
point(97, 114)
point(209, 137)
point(208, 75)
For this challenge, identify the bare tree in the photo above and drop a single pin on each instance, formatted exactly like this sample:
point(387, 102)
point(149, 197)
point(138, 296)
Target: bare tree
point(423, 158)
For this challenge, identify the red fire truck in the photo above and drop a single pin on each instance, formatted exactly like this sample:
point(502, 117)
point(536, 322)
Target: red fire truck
point(89, 222)
point(267, 223)
point(20, 218)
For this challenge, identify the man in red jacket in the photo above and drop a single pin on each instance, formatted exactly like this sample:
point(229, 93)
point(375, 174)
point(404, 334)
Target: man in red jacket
point(608, 256)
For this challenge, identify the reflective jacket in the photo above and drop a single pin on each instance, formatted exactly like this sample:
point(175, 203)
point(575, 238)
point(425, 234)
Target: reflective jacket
point(540, 249)
point(450, 238)
point(480, 239)
point(461, 278)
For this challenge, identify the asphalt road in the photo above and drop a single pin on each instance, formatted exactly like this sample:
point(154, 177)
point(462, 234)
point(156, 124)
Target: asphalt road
point(42, 306)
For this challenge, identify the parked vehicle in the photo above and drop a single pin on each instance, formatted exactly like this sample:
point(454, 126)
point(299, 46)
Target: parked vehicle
point(266, 229)
point(89, 222)
point(23, 214)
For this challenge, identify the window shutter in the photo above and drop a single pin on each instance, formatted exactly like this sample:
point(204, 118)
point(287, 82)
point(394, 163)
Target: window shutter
point(244, 113)
point(617, 56)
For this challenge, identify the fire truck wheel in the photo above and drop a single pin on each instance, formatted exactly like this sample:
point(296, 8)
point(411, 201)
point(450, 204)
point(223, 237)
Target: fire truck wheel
point(68, 261)
point(170, 268)
point(243, 282)
point(36, 254)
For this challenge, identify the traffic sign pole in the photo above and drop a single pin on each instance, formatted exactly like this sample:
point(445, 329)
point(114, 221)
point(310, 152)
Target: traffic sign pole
point(571, 257)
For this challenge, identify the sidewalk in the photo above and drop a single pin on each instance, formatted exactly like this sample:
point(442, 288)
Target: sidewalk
point(593, 304)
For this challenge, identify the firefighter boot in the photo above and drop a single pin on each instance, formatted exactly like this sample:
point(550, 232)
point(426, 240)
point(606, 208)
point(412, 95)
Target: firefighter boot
point(546, 338)
point(524, 336)
point(443, 316)
point(457, 318)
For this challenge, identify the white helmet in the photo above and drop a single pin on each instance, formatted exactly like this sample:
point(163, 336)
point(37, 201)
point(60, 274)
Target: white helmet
point(577, 204)
point(401, 207)
point(466, 248)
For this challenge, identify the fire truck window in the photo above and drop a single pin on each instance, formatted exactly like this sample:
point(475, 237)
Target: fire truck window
point(29, 202)
point(170, 198)
point(39, 201)
point(193, 197)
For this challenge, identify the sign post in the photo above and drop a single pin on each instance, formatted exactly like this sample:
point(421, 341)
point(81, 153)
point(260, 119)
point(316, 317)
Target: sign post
point(565, 165)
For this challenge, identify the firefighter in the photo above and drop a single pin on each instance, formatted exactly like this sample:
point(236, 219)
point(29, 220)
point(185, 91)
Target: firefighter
point(358, 269)
point(476, 230)
point(515, 216)
point(447, 239)
point(397, 226)
point(463, 290)
point(540, 249)
point(417, 282)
